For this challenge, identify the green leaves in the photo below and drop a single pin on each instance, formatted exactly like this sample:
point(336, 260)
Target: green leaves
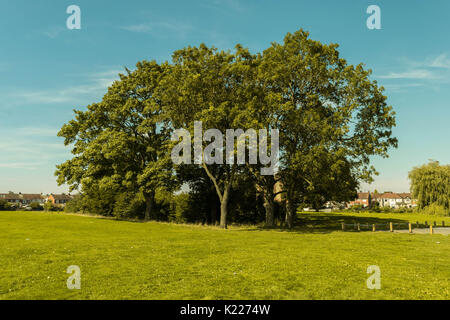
point(331, 116)
point(120, 143)
point(430, 185)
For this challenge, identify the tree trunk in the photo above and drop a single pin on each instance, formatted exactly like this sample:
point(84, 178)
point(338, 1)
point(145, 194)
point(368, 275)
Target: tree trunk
point(290, 211)
point(222, 197)
point(149, 204)
point(268, 205)
point(224, 207)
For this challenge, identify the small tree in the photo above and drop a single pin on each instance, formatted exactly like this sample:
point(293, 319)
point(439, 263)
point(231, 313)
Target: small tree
point(48, 206)
point(36, 206)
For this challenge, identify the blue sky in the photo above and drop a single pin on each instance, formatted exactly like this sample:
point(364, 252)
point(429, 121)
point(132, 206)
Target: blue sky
point(47, 70)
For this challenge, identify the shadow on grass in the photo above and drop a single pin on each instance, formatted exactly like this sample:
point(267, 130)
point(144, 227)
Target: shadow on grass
point(322, 223)
point(311, 222)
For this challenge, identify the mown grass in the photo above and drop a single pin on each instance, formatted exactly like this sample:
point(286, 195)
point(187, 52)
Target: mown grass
point(332, 221)
point(131, 260)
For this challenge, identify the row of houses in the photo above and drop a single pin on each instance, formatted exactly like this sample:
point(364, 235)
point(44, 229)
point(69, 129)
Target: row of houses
point(387, 199)
point(23, 199)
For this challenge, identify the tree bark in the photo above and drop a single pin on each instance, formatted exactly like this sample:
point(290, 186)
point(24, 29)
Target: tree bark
point(268, 205)
point(149, 204)
point(290, 211)
point(224, 207)
point(222, 197)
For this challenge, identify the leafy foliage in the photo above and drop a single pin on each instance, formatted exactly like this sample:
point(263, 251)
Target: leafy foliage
point(430, 185)
point(120, 144)
point(330, 115)
point(36, 206)
point(4, 205)
point(332, 118)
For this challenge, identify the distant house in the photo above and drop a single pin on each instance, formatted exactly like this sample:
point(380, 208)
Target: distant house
point(12, 198)
point(30, 198)
point(25, 199)
point(59, 199)
point(395, 200)
point(387, 199)
point(363, 199)
point(408, 199)
point(335, 205)
point(22, 199)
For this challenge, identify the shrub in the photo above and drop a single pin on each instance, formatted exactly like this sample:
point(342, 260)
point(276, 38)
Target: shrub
point(49, 206)
point(435, 209)
point(4, 205)
point(36, 206)
point(356, 208)
point(75, 205)
point(181, 207)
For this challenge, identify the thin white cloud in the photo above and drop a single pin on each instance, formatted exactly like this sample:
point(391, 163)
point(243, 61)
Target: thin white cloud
point(29, 149)
point(145, 28)
point(401, 87)
point(440, 61)
point(20, 165)
point(36, 131)
point(96, 84)
point(232, 5)
point(427, 70)
point(19, 152)
point(410, 74)
point(160, 28)
point(42, 97)
point(54, 31)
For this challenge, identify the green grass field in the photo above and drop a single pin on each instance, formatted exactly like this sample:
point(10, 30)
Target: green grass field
point(132, 260)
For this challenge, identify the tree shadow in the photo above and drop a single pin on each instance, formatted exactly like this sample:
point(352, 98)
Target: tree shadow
point(322, 223)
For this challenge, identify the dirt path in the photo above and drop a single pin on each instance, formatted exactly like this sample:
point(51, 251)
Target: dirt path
point(437, 230)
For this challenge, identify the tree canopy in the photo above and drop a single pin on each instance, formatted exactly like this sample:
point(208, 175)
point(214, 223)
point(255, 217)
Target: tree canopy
point(121, 143)
point(430, 185)
point(329, 116)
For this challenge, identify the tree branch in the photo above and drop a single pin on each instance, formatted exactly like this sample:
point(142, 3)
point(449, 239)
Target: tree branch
point(214, 180)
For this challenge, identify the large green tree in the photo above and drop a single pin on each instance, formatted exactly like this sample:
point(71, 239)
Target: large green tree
point(122, 142)
point(210, 86)
point(330, 116)
point(430, 184)
point(328, 112)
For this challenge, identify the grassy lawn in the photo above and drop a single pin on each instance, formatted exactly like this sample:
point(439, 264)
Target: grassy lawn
point(332, 221)
point(131, 260)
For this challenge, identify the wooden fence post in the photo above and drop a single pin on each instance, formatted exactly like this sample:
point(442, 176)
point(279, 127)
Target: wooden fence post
point(359, 227)
point(410, 229)
point(343, 226)
point(391, 227)
point(431, 229)
point(373, 228)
